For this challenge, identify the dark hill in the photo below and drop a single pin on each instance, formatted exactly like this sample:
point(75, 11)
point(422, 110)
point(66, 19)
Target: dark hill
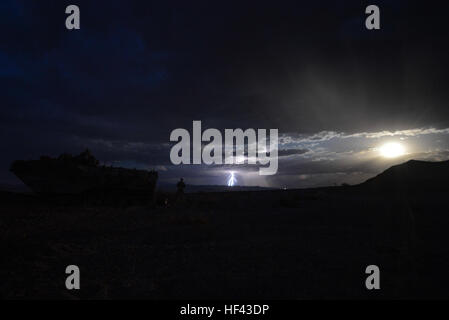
point(412, 175)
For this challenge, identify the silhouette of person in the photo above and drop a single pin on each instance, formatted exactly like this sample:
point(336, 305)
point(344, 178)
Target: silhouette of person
point(180, 187)
point(180, 190)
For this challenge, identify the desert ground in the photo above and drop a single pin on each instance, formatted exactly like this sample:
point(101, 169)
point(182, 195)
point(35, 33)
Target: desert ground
point(283, 244)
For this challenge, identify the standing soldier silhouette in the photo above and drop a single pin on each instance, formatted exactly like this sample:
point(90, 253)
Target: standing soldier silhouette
point(180, 189)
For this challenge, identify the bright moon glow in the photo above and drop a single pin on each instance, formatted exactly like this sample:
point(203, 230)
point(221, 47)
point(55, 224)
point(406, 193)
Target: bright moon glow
point(231, 180)
point(392, 150)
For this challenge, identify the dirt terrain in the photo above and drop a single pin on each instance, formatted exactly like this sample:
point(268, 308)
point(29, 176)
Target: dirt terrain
point(296, 244)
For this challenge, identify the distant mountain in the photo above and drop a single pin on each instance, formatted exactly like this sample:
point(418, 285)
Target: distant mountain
point(413, 175)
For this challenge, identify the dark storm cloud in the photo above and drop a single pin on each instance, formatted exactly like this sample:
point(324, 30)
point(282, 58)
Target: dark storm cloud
point(139, 69)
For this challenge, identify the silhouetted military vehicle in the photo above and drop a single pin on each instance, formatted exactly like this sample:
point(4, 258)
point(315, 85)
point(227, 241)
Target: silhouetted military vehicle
point(83, 176)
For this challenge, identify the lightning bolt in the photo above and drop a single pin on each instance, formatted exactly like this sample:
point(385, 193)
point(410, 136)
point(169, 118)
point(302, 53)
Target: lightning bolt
point(231, 180)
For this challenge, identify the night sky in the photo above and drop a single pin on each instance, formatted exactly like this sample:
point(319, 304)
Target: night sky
point(136, 70)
